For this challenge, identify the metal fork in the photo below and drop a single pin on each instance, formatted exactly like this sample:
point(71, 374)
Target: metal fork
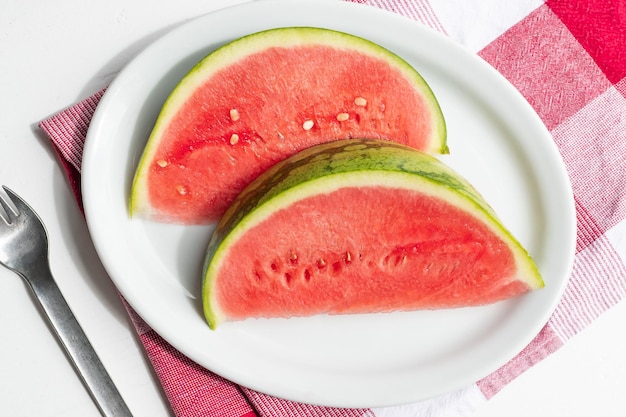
point(24, 250)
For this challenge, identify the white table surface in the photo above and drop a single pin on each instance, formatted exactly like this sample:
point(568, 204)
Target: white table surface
point(55, 53)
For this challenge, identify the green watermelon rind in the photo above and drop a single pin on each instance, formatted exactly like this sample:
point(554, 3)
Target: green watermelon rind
point(233, 51)
point(339, 156)
point(363, 163)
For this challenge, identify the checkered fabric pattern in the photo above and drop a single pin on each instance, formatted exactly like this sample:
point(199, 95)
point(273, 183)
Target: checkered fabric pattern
point(567, 58)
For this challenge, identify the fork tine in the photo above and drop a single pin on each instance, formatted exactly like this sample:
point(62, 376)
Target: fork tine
point(10, 212)
point(20, 204)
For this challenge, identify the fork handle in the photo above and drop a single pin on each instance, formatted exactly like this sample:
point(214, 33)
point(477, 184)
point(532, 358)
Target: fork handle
point(89, 367)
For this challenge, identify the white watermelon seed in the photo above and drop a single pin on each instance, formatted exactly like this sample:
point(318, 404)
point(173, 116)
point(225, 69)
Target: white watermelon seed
point(162, 163)
point(181, 189)
point(342, 117)
point(307, 125)
point(234, 138)
point(360, 101)
point(348, 257)
point(234, 115)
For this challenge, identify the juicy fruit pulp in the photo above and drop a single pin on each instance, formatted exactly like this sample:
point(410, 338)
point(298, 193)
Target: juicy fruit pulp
point(359, 226)
point(266, 96)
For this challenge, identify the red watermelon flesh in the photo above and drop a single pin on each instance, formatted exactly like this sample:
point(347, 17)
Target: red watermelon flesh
point(371, 251)
point(239, 116)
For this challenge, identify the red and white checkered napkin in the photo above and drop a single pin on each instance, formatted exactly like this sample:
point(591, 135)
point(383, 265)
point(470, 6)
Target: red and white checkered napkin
point(567, 57)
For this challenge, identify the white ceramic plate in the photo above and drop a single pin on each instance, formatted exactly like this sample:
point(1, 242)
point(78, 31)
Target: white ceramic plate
point(496, 141)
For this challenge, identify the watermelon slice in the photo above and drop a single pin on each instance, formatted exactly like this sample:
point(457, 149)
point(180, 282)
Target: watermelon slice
point(357, 226)
point(264, 97)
